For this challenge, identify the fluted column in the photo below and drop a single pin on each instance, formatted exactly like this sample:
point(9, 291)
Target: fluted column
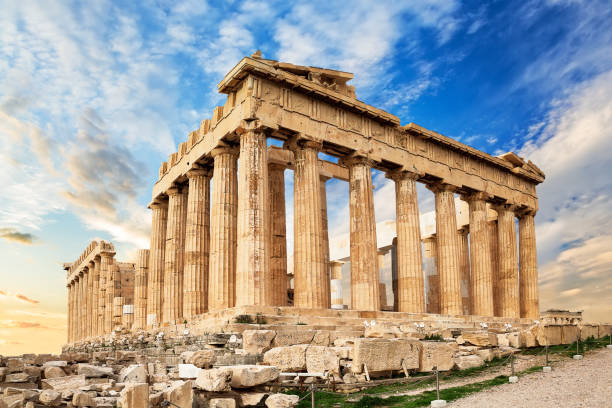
point(84, 300)
point(311, 287)
point(96, 292)
point(337, 298)
point(253, 281)
point(106, 262)
point(157, 255)
point(278, 234)
point(222, 260)
point(70, 309)
point(432, 278)
point(90, 293)
point(508, 265)
point(101, 296)
point(464, 265)
point(325, 235)
point(528, 261)
point(117, 303)
point(172, 308)
point(448, 250)
point(493, 250)
point(140, 288)
point(410, 284)
point(197, 244)
point(78, 309)
point(481, 272)
point(365, 291)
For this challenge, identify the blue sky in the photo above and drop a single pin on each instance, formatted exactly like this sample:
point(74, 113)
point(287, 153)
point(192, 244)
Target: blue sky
point(95, 95)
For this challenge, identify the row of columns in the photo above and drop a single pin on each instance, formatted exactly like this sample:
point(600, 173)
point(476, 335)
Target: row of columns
point(92, 297)
point(236, 254)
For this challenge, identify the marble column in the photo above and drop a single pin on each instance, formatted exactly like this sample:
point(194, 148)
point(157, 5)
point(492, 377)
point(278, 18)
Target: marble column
point(222, 260)
point(432, 278)
point(448, 250)
point(90, 292)
point(337, 298)
point(70, 310)
point(365, 290)
point(140, 288)
point(95, 303)
point(528, 261)
point(278, 234)
point(481, 272)
point(253, 281)
point(197, 244)
point(172, 306)
point(311, 285)
point(325, 235)
point(117, 303)
point(508, 264)
point(106, 262)
point(410, 284)
point(85, 301)
point(101, 297)
point(493, 250)
point(155, 283)
point(464, 265)
point(382, 286)
point(78, 306)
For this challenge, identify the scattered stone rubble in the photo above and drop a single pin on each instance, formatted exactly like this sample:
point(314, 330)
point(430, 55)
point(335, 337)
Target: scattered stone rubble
point(244, 370)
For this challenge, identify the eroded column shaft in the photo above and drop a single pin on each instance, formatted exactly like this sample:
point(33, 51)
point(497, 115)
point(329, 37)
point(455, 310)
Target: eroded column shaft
point(140, 288)
point(101, 296)
point(325, 235)
point(157, 262)
point(106, 263)
point(278, 234)
point(84, 301)
point(481, 271)
point(494, 251)
point(432, 278)
point(508, 265)
point(172, 308)
point(222, 260)
point(528, 261)
point(197, 244)
point(253, 282)
point(464, 266)
point(90, 292)
point(311, 286)
point(410, 284)
point(95, 292)
point(451, 302)
point(365, 290)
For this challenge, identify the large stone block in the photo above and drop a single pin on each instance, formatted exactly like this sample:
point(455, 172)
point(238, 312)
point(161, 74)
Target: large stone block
point(251, 399)
point(515, 340)
point(216, 379)
point(15, 365)
point(436, 354)
point(549, 335)
point(202, 358)
point(528, 338)
point(587, 331)
point(54, 372)
point(503, 340)
point(257, 341)
point(65, 383)
point(485, 354)
point(92, 371)
point(569, 334)
point(292, 337)
point(135, 395)
point(134, 373)
point(465, 362)
point(180, 393)
point(321, 359)
point(105, 402)
point(482, 339)
point(55, 363)
point(188, 371)
point(385, 354)
point(82, 399)
point(282, 401)
point(50, 398)
point(289, 358)
point(17, 378)
point(246, 376)
point(222, 403)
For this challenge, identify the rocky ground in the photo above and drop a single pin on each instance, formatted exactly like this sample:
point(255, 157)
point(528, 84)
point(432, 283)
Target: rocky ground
point(582, 383)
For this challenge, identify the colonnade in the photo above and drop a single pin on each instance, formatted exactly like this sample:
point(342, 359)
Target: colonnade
point(235, 253)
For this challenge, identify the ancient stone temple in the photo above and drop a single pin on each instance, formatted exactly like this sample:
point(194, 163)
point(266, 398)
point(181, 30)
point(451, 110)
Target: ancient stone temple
point(218, 236)
point(100, 292)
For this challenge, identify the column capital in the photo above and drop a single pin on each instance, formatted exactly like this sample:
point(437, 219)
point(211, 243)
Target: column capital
point(440, 187)
point(174, 190)
point(276, 166)
point(356, 160)
point(158, 203)
point(199, 172)
point(476, 196)
point(504, 207)
point(397, 175)
point(107, 254)
point(525, 211)
point(233, 150)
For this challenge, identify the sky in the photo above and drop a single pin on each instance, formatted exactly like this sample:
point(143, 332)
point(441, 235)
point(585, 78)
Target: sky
point(95, 95)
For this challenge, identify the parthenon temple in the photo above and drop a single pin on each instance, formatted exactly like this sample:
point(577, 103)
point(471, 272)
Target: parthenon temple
point(219, 238)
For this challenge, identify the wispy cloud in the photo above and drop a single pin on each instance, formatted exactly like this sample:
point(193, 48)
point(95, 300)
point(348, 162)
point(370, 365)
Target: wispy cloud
point(12, 235)
point(16, 324)
point(18, 296)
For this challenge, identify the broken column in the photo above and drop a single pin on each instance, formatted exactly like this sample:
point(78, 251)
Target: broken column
point(140, 288)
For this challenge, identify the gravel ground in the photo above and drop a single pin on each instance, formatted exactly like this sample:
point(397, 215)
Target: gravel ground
point(572, 383)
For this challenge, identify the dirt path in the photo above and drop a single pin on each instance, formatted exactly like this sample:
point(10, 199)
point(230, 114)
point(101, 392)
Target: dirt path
point(572, 383)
